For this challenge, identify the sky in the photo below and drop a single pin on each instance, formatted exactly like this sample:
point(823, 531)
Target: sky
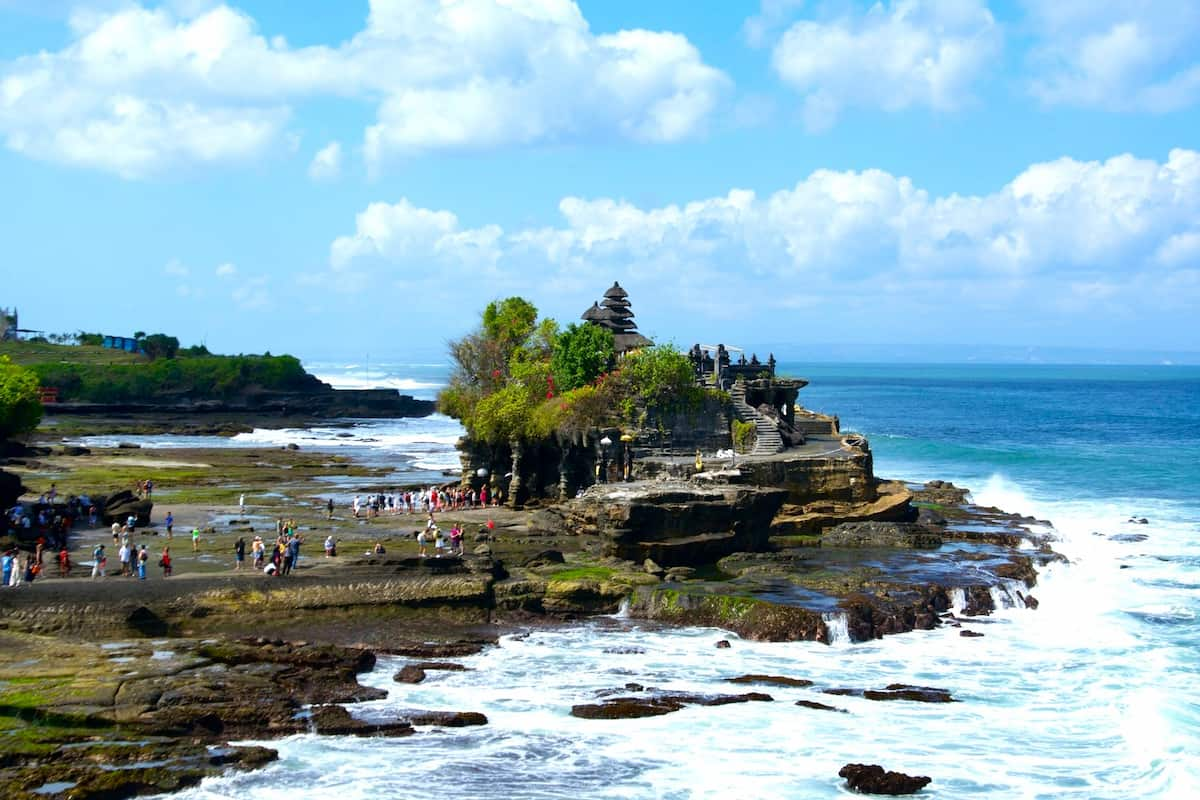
point(337, 178)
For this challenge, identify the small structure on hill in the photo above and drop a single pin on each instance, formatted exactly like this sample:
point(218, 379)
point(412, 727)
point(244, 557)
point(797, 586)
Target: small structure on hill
point(8, 324)
point(126, 343)
point(615, 314)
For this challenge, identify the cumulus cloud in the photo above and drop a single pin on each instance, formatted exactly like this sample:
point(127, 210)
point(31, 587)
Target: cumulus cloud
point(1062, 235)
point(327, 163)
point(897, 55)
point(138, 90)
point(1117, 56)
point(226, 270)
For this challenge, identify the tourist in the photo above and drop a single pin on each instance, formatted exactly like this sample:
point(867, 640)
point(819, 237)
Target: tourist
point(142, 557)
point(258, 549)
point(170, 522)
point(99, 561)
point(242, 505)
point(379, 549)
point(64, 562)
point(329, 509)
point(239, 553)
point(422, 541)
point(123, 557)
point(6, 567)
point(330, 546)
point(164, 561)
point(116, 533)
point(354, 505)
point(456, 541)
point(32, 569)
point(439, 542)
point(195, 540)
point(149, 488)
point(291, 555)
point(130, 523)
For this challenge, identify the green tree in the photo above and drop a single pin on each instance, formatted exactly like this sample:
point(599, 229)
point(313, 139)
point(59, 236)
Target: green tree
point(581, 354)
point(20, 401)
point(159, 345)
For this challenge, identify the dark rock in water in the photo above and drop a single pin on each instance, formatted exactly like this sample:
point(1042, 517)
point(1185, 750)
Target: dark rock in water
point(447, 666)
point(624, 651)
point(772, 680)
point(1139, 520)
point(970, 634)
point(146, 622)
point(544, 559)
point(128, 446)
point(657, 705)
point(874, 779)
point(293, 446)
point(634, 687)
point(75, 450)
point(881, 534)
point(903, 691)
point(410, 673)
point(1128, 537)
point(337, 721)
point(436, 649)
point(723, 644)
point(1029, 600)
point(448, 719)
point(652, 568)
point(820, 706)
point(897, 691)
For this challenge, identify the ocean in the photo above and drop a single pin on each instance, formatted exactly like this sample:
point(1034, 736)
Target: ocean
point(1092, 695)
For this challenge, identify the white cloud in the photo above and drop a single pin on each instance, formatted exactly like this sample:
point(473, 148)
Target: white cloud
point(1116, 55)
point(1062, 236)
point(139, 90)
point(176, 269)
point(252, 294)
point(226, 270)
point(327, 163)
point(898, 55)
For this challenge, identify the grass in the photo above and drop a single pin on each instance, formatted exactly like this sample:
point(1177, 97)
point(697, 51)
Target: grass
point(582, 574)
point(25, 353)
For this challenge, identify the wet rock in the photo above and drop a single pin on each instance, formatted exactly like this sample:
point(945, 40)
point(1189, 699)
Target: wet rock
point(1139, 520)
point(292, 446)
point(1128, 538)
point(410, 673)
point(657, 705)
point(874, 779)
point(542, 559)
point(927, 516)
point(624, 651)
point(1029, 600)
point(970, 634)
point(813, 704)
point(128, 446)
point(484, 550)
point(723, 644)
point(653, 569)
point(904, 691)
point(448, 719)
point(337, 721)
point(771, 680)
point(436, 649)
point(881, 534)
point(75, 450)
point(447, 666)
point(680, 573)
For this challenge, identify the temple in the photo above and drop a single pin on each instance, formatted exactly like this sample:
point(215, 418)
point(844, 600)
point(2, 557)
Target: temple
point(614, 314)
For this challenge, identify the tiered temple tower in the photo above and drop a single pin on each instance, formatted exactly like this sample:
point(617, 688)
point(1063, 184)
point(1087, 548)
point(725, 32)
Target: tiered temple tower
point(614, 314)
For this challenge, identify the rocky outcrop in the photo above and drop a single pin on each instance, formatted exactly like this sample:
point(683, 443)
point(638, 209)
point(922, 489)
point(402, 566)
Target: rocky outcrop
point(654, 705)
point(749, 617)
point(881, 534)
point(674, 523)
point(874, 779)
point(323, 401)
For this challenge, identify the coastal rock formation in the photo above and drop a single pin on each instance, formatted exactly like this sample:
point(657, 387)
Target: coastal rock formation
point(658, 704)
point(881, 534)
point(674, 523)
point(874, 779)
point(749, 617)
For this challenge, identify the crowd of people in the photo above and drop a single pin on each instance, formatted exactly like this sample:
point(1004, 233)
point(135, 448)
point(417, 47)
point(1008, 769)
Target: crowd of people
point(422, 501)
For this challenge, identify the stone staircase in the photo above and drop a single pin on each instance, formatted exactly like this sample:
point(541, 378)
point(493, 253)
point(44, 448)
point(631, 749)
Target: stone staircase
point(767, 440)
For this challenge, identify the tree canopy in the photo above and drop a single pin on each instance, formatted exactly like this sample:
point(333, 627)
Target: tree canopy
point(20, 401)
point(516, 378)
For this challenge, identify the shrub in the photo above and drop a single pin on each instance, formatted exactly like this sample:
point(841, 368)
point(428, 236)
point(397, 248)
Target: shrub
point(20, 401)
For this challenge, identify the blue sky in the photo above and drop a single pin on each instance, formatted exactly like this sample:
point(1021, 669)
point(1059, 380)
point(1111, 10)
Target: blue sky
point(339, 178)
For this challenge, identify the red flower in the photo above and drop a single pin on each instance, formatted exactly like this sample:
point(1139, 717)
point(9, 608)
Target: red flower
point(495, 373)
point(550, 395)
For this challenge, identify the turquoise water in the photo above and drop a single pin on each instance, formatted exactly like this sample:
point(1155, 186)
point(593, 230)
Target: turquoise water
point(1092, 695)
